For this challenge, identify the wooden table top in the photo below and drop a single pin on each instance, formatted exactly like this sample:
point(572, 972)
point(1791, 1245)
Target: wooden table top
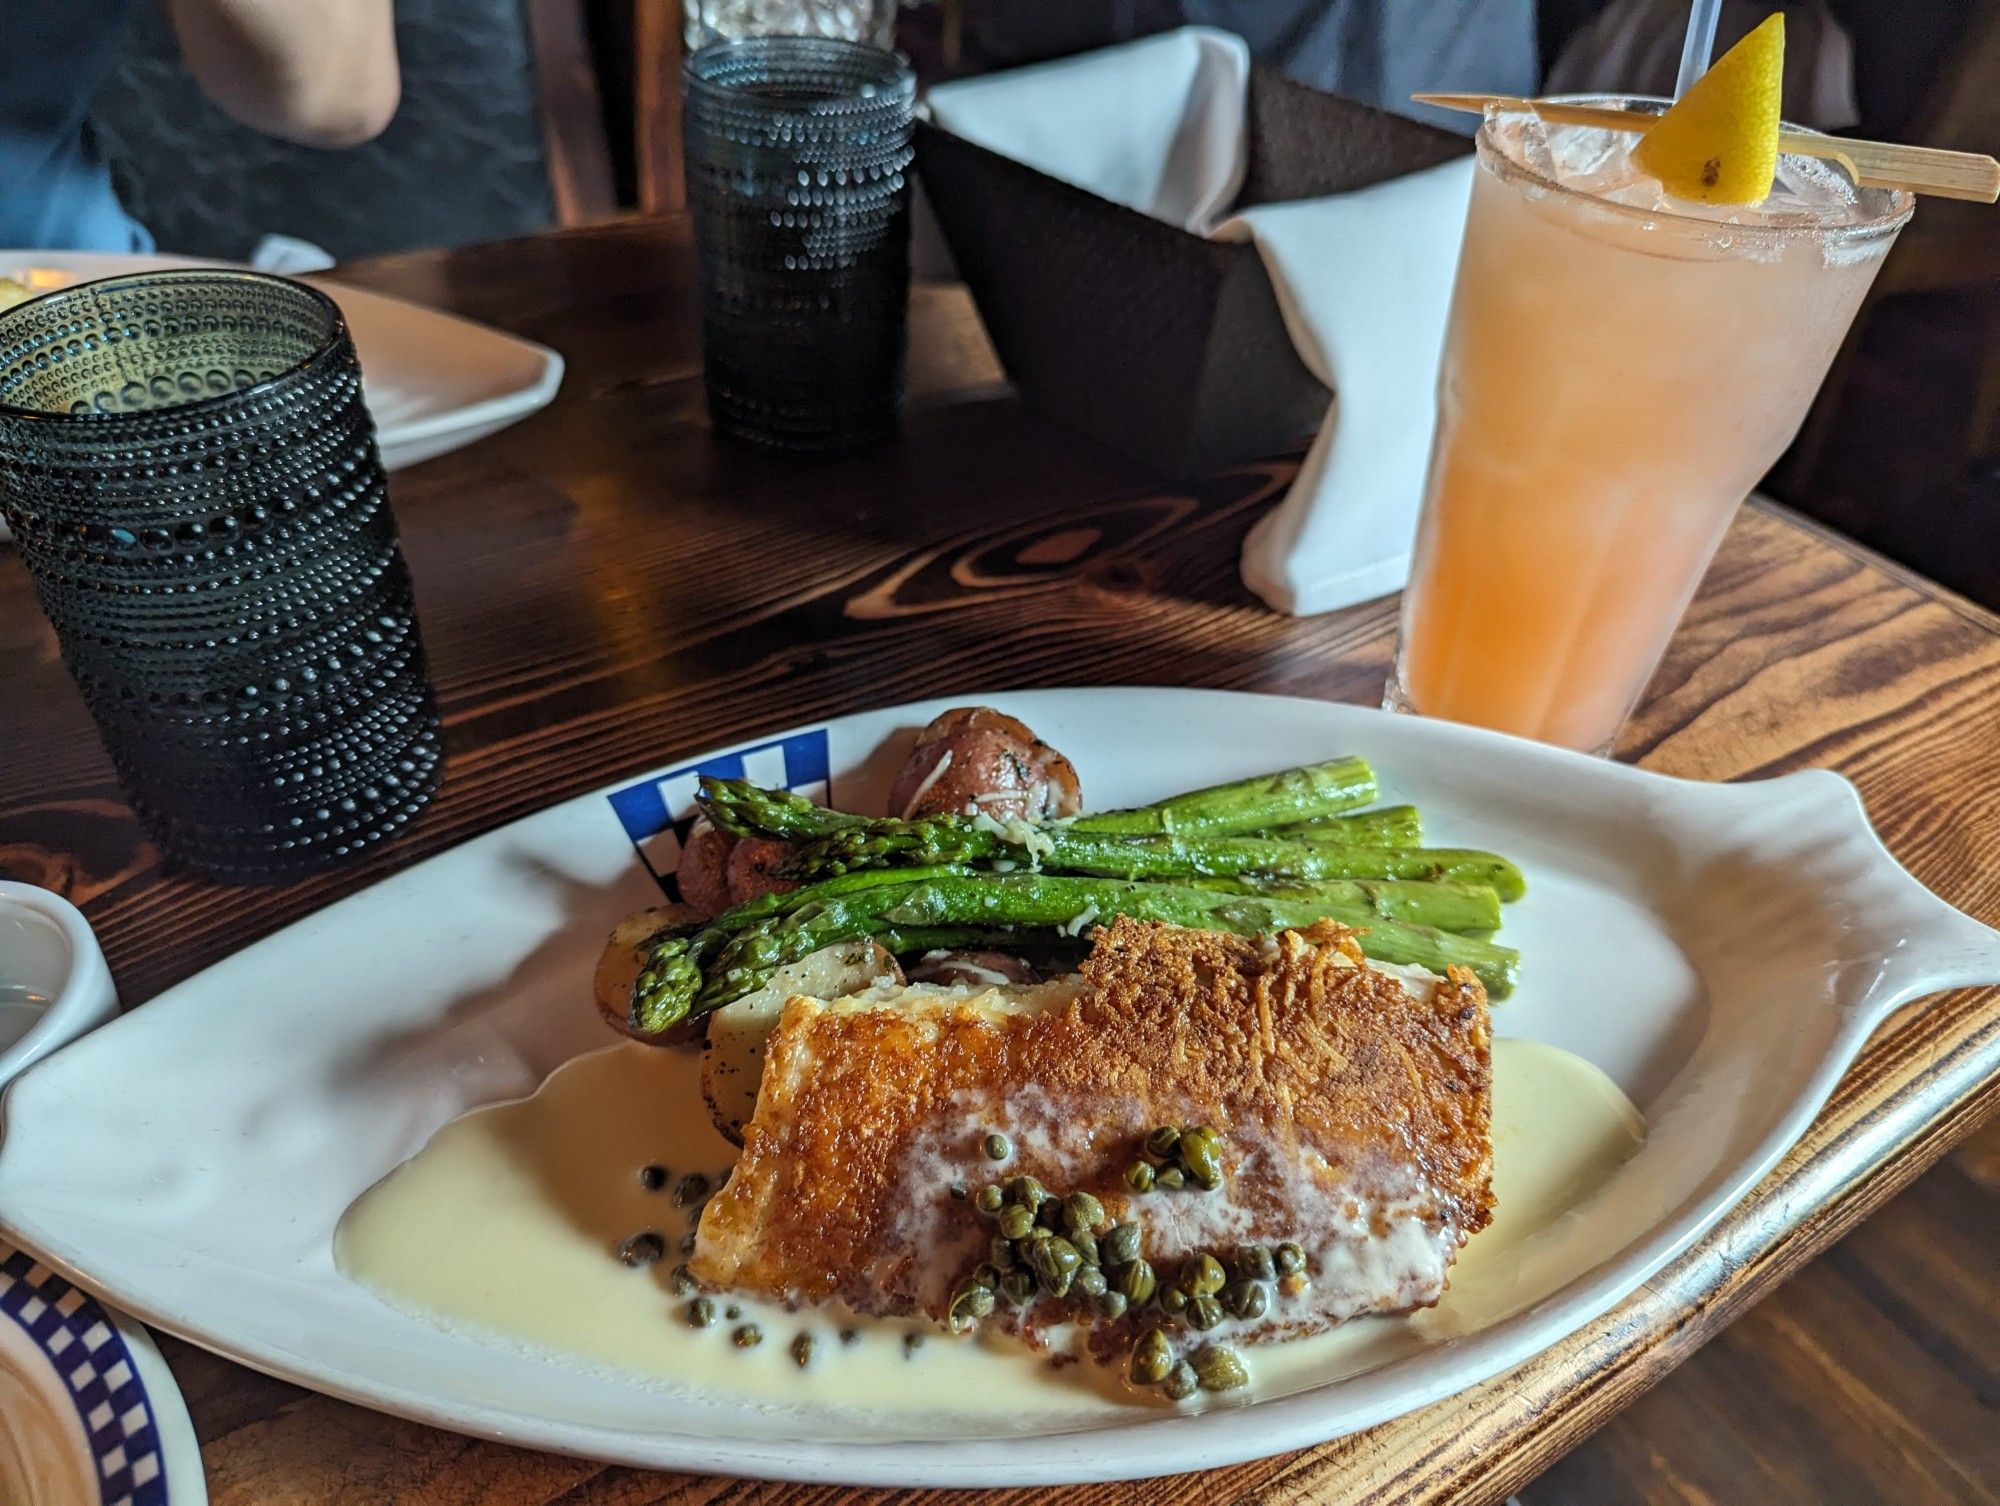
point(604, 588)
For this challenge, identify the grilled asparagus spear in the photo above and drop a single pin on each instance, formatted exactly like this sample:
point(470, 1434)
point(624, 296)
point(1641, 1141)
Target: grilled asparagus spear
point(953, 840)
point(1280, 799)
point(1061, 848)
point(1387, 826)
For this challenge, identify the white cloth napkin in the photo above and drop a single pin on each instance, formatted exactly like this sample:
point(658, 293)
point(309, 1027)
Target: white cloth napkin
point(1364, 279)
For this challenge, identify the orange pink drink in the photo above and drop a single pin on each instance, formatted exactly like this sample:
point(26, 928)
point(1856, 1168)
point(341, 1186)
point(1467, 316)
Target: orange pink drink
point(1621, 368)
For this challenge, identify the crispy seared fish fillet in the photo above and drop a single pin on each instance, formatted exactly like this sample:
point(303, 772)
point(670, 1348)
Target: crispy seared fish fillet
point(1354, 1107)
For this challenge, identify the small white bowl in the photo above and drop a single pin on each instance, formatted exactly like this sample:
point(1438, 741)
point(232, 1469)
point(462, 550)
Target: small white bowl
point(92, 1412)
point(53, 982)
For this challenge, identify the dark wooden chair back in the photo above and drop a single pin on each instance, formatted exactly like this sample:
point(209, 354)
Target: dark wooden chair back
point(658, 52)
point(1902, 448)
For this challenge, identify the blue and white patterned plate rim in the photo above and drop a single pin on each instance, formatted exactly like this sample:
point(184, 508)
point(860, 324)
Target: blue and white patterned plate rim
point(87, 1352)
point(657, 811)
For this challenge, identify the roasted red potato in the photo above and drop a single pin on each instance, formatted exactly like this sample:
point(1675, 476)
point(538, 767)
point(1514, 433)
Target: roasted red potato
point(974, 759)
point(704, 868)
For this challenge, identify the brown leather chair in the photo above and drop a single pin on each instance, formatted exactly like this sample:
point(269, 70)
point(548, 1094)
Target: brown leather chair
point(1876, 458)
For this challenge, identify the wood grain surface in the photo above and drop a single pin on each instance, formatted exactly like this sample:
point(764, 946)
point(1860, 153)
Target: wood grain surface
point(1870, 1377)
point(604, 588)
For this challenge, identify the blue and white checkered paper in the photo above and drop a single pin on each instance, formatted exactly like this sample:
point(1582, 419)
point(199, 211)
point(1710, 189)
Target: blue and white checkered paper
point(87, 1352)
point(656, 812)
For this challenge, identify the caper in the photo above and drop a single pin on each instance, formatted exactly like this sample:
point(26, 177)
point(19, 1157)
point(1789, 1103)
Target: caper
point(1081, 1212)
point(1139, 1176)
point(1220, 1370)
point(1203, 1312)
point(1000, 1251)
point(998, 1147)
point(1164, 1141)
point(1055, 1261)
point(976, 1297)
point(1110, 1306)
point(990, 1199)
point(1019, 1286)
point(969, 1304)
point(1090, 1282)
point(959, 1192)
point(682, 1283)
point(1086, 1246)
point(1170, 1177)
point(1289, 1259)
point(653, 1178)
point(1050, 1216)
point(1181, 1382)
point(849, 1335)
point(1016, 1221)
point(1202, 1275)
point(1173, 1299)
point(732, 1312)
point(687, 1244)
point(1137, 1281)
point(642, 1249)
point(1028, 1192)
point(912, 1342)
point(693, 1188)
point(987, 1275)
point(1152, 1358)
point(1253, 1263)
point(1246, 1300)
point(749, 1336)
point(1123, 1244)
point(802, 1350)
point(1292, 1285)
point(1201, 1155)
point(699, 1313)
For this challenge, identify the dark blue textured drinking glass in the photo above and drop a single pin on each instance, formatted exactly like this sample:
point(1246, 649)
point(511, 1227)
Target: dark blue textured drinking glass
point(798, 159)
point(193, 482)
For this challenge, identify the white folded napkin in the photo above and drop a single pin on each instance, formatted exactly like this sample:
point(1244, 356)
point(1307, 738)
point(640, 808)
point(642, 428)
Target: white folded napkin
point(1364, 279)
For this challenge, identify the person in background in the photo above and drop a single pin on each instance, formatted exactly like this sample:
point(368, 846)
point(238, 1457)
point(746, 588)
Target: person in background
point(321, 72)
point(1634, 47)
point(1380, 51)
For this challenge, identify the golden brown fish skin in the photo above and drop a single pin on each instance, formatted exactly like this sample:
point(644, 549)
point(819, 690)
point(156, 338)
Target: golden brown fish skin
point(1292, 1046)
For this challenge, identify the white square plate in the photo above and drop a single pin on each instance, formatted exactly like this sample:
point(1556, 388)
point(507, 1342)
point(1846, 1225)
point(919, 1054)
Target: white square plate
point(1722, 951)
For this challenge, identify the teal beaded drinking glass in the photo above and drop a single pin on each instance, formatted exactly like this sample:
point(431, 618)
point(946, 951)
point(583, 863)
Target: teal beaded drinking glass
point(192, 479)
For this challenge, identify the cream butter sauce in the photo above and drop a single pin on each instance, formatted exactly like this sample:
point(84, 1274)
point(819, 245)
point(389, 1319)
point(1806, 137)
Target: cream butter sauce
point(508, 1221)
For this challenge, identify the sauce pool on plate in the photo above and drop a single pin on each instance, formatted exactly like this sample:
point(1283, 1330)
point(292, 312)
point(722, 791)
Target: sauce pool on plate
point(511, 1223)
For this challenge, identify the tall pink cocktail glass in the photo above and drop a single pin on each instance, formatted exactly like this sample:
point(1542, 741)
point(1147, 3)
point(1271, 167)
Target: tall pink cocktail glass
point(1619, 372)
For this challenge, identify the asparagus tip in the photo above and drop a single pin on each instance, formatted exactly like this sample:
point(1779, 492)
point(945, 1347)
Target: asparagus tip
point(664, 989)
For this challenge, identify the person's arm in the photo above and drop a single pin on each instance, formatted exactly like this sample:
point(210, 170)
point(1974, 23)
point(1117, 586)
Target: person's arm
point(322, 72)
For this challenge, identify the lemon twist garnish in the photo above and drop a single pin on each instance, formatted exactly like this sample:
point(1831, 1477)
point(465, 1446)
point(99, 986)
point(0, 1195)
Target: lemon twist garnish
point(1719, 143)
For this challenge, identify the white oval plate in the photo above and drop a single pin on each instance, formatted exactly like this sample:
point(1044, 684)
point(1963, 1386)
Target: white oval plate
point(88, 1409)
point(1722, 951)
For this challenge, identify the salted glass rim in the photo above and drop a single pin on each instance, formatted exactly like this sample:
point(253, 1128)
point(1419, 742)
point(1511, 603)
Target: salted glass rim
point(335, 334)
point(1503, 163)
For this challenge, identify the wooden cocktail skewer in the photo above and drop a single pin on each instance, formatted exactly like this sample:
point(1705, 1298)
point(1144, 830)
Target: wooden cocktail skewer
point(1871, 164)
